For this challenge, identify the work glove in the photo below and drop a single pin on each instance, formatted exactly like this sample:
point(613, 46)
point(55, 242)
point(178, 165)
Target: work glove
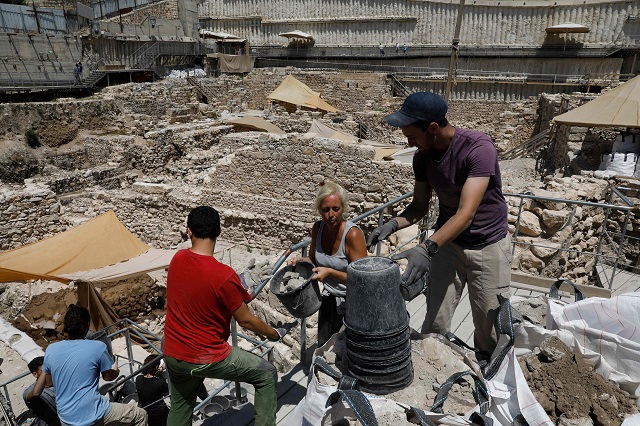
point(381, 232)
point(416, 274)
point(282, 329)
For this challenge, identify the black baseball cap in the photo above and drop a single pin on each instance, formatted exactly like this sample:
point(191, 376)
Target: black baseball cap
point(420, 106)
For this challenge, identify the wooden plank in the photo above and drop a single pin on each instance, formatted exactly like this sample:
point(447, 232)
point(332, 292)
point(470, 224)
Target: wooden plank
point(291, 388)
point(545, 283)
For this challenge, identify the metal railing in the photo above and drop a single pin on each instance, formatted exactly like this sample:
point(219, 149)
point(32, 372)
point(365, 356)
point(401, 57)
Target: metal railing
point(528, 148)
point(606, 236)
point(615, 240)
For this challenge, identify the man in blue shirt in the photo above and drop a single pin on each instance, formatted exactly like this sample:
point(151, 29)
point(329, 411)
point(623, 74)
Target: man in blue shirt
point(74, 366)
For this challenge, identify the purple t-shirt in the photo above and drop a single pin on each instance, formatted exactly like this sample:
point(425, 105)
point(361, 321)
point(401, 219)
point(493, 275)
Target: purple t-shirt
point(471, 154)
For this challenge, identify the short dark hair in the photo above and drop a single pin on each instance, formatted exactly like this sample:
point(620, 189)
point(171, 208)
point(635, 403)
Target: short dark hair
point(35, 363)
point(204, 222)
point(424, 125)
point(153, 368)
point(76, 322)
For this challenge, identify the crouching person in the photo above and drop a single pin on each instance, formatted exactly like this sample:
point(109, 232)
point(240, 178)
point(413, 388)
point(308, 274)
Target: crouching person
point(202, 297)
point(74, 367)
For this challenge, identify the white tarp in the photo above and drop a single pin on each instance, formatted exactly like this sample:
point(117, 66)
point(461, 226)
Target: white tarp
point(152, 260)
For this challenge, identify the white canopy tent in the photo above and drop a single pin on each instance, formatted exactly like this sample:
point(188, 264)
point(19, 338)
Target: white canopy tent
point(297, 34)
point(566, 28)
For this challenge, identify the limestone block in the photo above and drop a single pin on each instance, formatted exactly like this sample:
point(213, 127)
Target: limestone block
point(529, 262)
point(553, 220)
point(545, 252)
point(151, 188)
point(529, 224)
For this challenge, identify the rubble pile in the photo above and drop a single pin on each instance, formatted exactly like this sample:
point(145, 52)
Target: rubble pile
point(290, 282)
point(569, 389)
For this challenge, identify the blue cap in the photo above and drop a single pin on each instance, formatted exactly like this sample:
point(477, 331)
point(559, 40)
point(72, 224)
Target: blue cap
point(420, 106)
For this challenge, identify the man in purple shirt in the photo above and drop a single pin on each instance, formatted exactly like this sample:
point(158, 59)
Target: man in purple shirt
point(471, 243)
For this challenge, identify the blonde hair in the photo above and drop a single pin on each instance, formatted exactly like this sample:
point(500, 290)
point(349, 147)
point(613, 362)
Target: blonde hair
point(329, 187)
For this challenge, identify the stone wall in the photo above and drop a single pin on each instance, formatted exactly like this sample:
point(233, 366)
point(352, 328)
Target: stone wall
point(558, 239)
point(266, 188)
point(167, 9)
point(170, 97)
point(573, 149)
point(345, 91)
point(57, 123)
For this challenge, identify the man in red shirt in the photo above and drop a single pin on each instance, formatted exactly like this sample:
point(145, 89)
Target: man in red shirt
point(202, 296)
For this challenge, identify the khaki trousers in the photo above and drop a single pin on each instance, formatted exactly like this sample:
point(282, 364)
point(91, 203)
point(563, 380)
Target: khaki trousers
point(124, 415)
point(487, 272)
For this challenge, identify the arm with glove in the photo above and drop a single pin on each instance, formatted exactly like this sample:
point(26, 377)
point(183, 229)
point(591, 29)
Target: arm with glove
point(246, 319)
point(415, 211)
point(419, 257)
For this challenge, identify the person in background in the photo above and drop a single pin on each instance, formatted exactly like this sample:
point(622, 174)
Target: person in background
point(381, 47)
point(152, 388)
point(43, 406)
point(335, 242)
point(74, 367)
point(471, 244)
point(202, 297)
point(76, 74)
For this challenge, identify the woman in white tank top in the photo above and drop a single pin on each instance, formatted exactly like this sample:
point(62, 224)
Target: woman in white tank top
point(335, 242)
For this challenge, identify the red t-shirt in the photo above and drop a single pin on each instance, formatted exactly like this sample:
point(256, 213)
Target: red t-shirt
point(202, 295)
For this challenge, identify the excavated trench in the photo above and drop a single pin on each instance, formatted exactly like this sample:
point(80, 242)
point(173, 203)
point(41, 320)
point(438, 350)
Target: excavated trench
point(137, 298)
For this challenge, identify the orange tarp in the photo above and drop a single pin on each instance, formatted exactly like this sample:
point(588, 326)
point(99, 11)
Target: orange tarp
point(99, 242)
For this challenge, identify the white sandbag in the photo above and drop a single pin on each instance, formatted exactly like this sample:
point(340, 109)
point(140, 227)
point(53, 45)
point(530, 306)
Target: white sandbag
point(628, 143)
point(604, 331)
point(19, 341)
point(620, 164)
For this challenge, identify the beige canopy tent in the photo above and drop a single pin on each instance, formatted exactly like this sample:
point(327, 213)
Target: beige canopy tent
point(98, 242)
point(619, 107)
point(383, 150)
point(297, 34)
point(221, 36)
point(567, 28)
point(295, 92)
point(256, 123)
point(10, 275)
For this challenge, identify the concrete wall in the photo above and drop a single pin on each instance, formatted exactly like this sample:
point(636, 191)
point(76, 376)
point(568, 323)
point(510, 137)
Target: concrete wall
point(38, 56)
point(485, 22)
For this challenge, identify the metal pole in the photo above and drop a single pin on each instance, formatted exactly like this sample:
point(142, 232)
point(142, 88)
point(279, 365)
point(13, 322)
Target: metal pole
point(380, 222)
point(234, 342)
point(454, 51)
point(303, 340)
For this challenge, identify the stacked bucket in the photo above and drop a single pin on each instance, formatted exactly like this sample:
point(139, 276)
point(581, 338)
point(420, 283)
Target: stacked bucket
point(377, 327)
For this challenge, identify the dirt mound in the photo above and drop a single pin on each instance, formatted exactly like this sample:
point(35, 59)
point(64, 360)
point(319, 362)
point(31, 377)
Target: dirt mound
point(134, 298)
point(567, 387)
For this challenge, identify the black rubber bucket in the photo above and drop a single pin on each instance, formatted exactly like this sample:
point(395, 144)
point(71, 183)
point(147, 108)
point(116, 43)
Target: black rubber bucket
point(301, 301)
point(378, 344)
point(360, 358)
point(371, 281)
point(377, 375)
point(384, 389)
point(379, 352)
point(359, 336)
